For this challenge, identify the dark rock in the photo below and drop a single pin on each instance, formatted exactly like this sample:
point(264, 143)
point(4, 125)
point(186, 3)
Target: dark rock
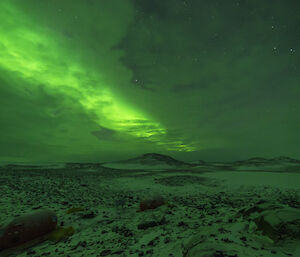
point(150, 251)
point(243, 238)
point(147, 225)
point(89, 215)
point(105, 252)
point(37, 207)
point(154, 242)
point(45, 253)
point(181, 223)
point(122, 231)
point(167, 240)
point(80, 243)
point(118, 252)
point(226, 240)
point(276, 221)
point(30, 252)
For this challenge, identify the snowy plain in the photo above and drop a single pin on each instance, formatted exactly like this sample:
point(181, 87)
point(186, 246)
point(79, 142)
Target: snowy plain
point(204, 215)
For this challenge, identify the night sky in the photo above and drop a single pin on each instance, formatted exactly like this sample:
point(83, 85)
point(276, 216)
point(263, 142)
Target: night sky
point(96, 81)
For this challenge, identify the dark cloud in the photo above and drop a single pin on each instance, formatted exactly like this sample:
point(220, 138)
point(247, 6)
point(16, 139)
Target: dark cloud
point(183, 88)
point(156, 8)
point(104, 134)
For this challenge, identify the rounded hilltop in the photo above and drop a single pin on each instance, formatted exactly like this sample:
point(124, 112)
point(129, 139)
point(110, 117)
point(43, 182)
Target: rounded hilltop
point(161, 158)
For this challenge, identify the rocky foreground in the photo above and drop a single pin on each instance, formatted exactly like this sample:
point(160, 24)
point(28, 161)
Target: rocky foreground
point(200, 217)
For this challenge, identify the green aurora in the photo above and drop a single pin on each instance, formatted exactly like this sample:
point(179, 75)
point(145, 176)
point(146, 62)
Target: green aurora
point(94, 81)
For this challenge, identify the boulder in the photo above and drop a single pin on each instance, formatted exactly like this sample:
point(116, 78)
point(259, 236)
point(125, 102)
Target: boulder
point(274, 226)
point(26, 228)
point(277, 221)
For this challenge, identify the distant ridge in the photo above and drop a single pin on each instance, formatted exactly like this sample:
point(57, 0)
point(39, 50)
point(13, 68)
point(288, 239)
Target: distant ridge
point(257, 159)
point(285, 159)
point(281, 163)
point(260, 160)
point(153, 159)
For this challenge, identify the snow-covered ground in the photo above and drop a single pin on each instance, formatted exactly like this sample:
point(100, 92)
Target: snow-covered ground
point(22, 165)
point(269, 179)
point(209, 213)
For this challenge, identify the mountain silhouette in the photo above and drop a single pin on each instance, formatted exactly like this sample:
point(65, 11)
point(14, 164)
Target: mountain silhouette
point(155, 159)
